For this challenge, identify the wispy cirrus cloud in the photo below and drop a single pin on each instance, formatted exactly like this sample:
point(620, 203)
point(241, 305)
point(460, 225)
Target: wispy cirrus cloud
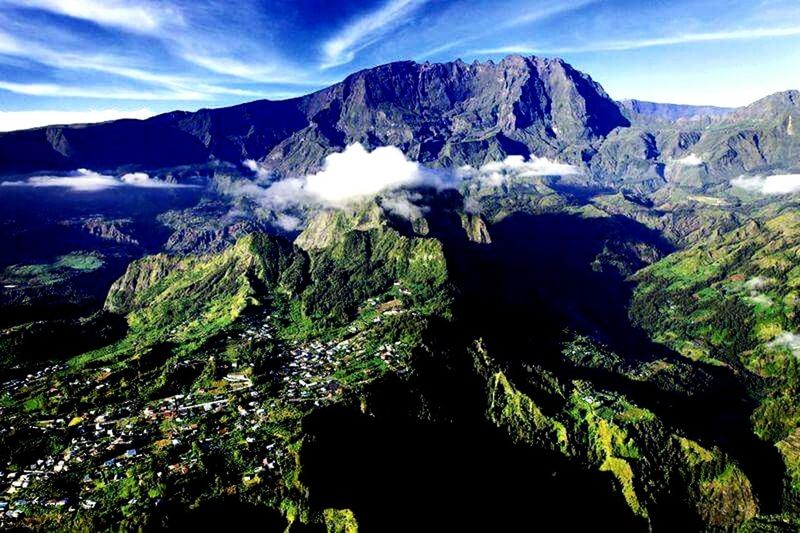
point(181, 52)
point(104, 93)
point(181, 72)
point(542, 12)
point(527, 17)
point(342, 48)
point(258, 71)
point(649, 42)
point(138, 17)
point(172, 86)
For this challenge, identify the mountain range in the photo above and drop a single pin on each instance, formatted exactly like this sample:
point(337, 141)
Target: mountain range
point(447, 114)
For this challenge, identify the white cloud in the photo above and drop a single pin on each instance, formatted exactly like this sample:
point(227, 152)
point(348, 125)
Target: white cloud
point(177, 86)
point(690, 160)
point(761, 299)
point(20, 120)
point(356, 173)
point(89, 180)
point(403, 205)
point(756, 283)
point(342, 48)
point(496, 173)
point(142, 179)
point(514, 48)
point(287, 222)
point(80, 180)
point(776, 184)
point(472, 205)
point(493, 27)
point(139, 17)
point(789, 340)
point(9, 45)
point(351, 175)
point(257, 168)
point(255, 70)
point(544, 12)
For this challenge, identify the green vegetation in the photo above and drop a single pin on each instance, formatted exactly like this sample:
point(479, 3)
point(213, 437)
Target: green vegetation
point(58, 271)
point(204, 392)
point(223, 357)
point(734, 301)
point(605, 431)
point(340, 521)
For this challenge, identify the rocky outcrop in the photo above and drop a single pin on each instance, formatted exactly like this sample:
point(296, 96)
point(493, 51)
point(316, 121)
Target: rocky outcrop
point(476, 228)
point(110, 230)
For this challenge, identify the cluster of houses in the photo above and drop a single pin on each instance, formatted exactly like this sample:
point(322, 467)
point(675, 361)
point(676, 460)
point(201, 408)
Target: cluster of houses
point(104, 443)
point(12, 386)
point(308, 372)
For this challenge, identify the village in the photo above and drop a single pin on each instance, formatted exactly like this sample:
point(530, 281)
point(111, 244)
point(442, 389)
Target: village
point(104, 443)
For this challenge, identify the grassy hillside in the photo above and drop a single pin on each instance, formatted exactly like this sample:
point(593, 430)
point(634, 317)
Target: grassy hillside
point(734, 301)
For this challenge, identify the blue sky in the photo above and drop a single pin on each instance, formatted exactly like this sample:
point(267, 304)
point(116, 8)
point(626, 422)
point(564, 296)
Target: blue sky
point(73, 60)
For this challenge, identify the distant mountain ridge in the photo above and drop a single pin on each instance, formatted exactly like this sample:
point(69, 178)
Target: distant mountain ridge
point(642, 110)
point(440, 114)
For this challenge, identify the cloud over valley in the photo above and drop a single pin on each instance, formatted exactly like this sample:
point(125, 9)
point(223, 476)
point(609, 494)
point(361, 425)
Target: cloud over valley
point(85, 180)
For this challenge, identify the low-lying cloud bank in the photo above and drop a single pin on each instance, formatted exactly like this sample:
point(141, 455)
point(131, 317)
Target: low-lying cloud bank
point(346, 177)
point(352, 175)
point(356, 174)
point(777, 184)
point(257, 169)
point(496, 173)
point(88, 180)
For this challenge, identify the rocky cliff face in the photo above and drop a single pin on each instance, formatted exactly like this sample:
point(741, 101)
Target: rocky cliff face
point(454, 113)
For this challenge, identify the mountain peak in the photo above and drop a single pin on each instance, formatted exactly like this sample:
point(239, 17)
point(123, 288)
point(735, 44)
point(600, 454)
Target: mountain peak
point(775, 105)
point(790, 97)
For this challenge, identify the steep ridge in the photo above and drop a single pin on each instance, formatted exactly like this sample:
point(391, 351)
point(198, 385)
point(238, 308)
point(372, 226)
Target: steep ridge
point(760, 138)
